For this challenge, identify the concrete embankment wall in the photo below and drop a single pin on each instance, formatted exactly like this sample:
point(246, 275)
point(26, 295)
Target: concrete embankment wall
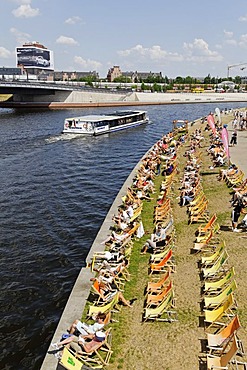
point(80, 99)
point(78, 297)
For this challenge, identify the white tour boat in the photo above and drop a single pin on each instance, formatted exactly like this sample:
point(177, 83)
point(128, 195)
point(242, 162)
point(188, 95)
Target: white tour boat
point(102, 123)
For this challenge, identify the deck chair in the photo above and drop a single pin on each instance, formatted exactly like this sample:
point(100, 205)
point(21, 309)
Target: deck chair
point(205, 245)
point(95, 290)
point(200, 215)
point(199, 195)
point(199, 201)
point(209, 259)
point(202, 230)
point(221, 361)
point(155, 299)
point(217, 267)
point(163, 311)
point(224, 309)
point(223, 333)
point(163, 265)
point(112, 306)
point(157, 257)
point(137, 213)
point(100, 353)
point(215, 300)
point(212, 286)
point(69, 360)
point(156, 286)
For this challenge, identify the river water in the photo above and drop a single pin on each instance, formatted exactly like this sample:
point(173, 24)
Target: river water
point(55, 193)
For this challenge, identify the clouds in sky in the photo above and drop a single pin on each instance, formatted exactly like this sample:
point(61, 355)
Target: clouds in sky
point(4, 53)
point(21, 37)
point(73, 20)
point(87, 64)
point(83, 38)
point(25, 9)
point(65, 40)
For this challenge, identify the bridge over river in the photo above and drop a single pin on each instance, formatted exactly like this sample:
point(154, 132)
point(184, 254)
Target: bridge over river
point(55, 95)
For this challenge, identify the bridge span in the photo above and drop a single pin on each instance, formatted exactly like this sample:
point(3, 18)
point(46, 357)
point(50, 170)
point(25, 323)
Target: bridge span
point(58, 95)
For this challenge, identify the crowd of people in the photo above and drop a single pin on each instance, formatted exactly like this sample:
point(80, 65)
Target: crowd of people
point(110, 267)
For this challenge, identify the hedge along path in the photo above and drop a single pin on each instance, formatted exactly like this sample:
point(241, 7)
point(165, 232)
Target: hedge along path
point(168, 346)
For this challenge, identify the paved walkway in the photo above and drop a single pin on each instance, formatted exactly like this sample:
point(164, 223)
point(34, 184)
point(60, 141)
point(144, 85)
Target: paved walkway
point(238, 152)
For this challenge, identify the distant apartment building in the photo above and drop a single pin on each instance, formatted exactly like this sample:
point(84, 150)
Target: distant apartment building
point(75, 76)
point(10, 73)
point(136, 76)
point(113, 73)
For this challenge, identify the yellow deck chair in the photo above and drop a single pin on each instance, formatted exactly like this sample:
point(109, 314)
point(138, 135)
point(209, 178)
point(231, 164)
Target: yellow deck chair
point(214, 300)
point(217, 267)
point(212, 286)
point(222, 310)
point(157, 257)
point(69, 360)
point(200, 215)
point(110, 306)
point(163, 311)
point(210, 259)
point(221, 362)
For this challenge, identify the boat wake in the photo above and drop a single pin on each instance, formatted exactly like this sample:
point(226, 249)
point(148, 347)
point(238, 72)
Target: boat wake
point(62, 137)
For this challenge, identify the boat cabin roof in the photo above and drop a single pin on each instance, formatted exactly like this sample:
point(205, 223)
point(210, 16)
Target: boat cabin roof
point(103, 117)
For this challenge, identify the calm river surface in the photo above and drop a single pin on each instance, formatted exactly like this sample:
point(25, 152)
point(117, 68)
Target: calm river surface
point(55, 193)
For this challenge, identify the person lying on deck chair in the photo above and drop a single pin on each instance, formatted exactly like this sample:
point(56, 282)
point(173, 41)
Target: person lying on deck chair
point(106, 269)
point(81, 345)
point(82, 330)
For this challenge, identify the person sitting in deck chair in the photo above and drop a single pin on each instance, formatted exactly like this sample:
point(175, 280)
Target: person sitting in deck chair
point(157, 239)
point(81, 345)
point(107, 291)
point(81, 329)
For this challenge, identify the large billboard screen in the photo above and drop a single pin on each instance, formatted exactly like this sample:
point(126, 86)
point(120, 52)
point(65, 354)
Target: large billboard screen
point(33, 57)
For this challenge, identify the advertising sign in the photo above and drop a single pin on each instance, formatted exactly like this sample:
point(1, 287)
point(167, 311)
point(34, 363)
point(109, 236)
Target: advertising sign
point(33, 57)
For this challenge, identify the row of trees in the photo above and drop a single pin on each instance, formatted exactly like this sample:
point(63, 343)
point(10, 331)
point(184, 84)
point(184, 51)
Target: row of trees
point(163, 84)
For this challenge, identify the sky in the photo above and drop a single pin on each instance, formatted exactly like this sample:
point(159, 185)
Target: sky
point(175, 37)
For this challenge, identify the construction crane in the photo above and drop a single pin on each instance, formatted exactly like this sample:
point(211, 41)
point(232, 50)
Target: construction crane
point(235, 65)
